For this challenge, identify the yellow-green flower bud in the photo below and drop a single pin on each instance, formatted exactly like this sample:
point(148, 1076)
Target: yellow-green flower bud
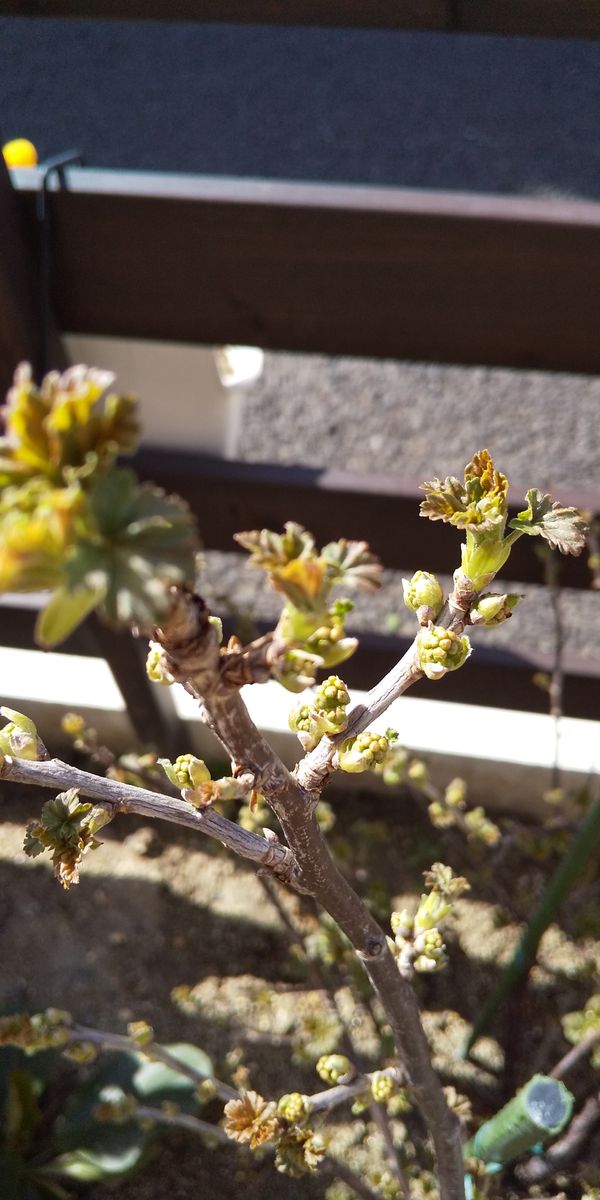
point(140, 1032)
point(456, 793)
point(186, 772)
point(441, 650)
point(423, 590)
point(417, 771)
point(440, 815)
point(206, 1091)
point(81, 1052)
point(293, 1107)
point(19, 738)
point(383, 1086)
point(331, 1068)
point(73, 724)
point(480, 827)
point(156, 668)
point(433, 909)
point(402, 923)
point(332, 697)
point(430, 943)
point(394, 766)
point(296, 670)
point(493, 610)
point(366, 751)
point(399, 1103)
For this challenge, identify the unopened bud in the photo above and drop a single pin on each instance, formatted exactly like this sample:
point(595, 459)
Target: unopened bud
point(441, 650)
point(423, 590)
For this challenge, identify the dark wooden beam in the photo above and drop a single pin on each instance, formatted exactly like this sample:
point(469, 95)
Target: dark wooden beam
point(436, 277)
point(383, 510)
point(496, 677)
point(539, 18)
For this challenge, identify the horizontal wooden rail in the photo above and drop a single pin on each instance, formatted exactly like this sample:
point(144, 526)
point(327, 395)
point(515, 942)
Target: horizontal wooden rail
point(436, 277)
point(493, 677)
point(229, 496)
point(539, 18)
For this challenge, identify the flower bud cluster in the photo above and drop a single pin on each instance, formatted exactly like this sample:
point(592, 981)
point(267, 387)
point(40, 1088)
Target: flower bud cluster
point(418, 944)
point(365, 751)
point(440, 650)
point(36, 1031)
point(186, 772)
point(294, 1107)
point(334, 1068)
point(383, 1086)
point(326, 714)
point(423, 594)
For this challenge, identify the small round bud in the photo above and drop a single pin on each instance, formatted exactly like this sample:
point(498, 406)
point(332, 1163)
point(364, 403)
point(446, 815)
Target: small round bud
point(423, 590)
point(366, 751)
point(293, 1107)
point(417, 771)
point(440, 815)
point(456, 793)
point(186, 772)
point(206, 1091)
point(73, 724)
point(140, 1032)
point(402, 923)
point(331, 1068)
point(156, 668)
point(383, 1086)
point(441, 650)
point(493, 609)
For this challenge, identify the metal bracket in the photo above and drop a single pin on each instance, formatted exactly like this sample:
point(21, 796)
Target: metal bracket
point(51, 168)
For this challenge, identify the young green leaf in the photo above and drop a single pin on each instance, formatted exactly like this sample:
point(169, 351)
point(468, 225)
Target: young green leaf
point(564, 528)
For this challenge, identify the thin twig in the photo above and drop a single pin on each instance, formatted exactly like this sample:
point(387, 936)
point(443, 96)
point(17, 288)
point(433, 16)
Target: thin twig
point(152, 1050)
point(124, 798)
point(316, 767)
point(182, 1121)
point(574, 1056)
point(338, 1170)
point(380, 1118)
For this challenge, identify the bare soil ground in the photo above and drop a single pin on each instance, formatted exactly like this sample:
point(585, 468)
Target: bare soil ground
point(157, 908)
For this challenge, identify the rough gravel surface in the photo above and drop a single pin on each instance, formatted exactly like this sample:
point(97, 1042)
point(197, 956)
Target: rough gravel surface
point(416, 421)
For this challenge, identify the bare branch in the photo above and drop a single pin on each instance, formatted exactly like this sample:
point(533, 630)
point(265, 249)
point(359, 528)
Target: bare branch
point(123, 798)
point(574, 1056)
point(193, 660)
point(315, 768)
point(152, 1050)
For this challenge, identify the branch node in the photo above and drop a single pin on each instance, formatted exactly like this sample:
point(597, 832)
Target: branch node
point(374, 948)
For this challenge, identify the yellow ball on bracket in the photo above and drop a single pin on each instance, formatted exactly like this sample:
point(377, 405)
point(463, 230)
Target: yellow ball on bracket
point(20, 153)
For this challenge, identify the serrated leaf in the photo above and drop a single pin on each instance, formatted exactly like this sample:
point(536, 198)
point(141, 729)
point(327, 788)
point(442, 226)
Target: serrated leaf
point(155, 1082)
point(64, 612)
point(353, 563)
point(146, 542)
point(564, 528)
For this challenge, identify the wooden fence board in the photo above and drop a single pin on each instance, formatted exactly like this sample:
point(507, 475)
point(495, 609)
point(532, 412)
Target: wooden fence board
point(436, 277)
point(540, 18)
point(230, 496)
